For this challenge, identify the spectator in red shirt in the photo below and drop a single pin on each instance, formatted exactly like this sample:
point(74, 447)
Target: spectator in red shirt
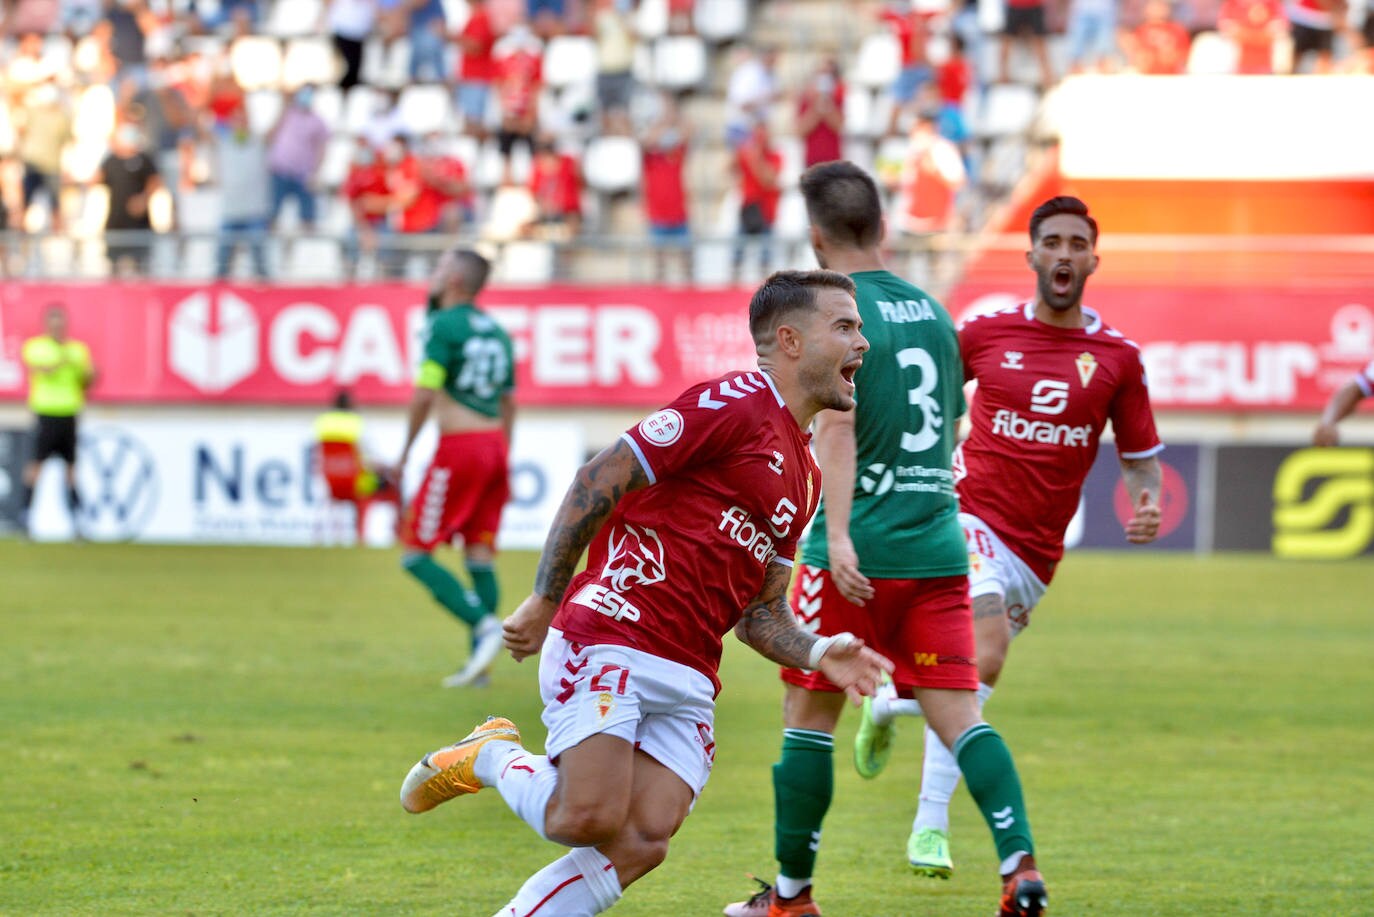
point(912, 30)
point(820, 114)
point(932, 176)
point(556, 185)
point(369, 198)
point(665, 195)
point(952, 81)
point(477, 68)
point(1254, 26)
point(1026, 23)
point(759, 165)
point(1158, 46)
point(519, 69)
point(431, 189)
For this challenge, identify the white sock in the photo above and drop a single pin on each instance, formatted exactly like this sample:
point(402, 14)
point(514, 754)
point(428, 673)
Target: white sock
point(789, 887)
point(886, 705)
point(580, 884)
point(525, 781)
point(940, 778)
point(1010, 863)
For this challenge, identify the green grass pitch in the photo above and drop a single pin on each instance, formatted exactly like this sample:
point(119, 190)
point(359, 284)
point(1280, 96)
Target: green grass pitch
point(224, 731)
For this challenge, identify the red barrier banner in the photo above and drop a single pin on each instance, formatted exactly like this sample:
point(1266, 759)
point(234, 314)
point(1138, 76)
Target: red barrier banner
point(620, 346)
point(1206, 347)
point(1232, 348)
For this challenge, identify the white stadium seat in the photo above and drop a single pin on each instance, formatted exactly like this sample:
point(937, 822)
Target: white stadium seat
point(878, 62)
point(569, 59)
point(1212, 53)
point(720, 20)
point(256, 62)
point(679, 62)
point(651, 19)
point(289, 18)
point(456, 13)
point(328, 104)
point(386, 66)
point(858, 112)
point(309, 60)
point(264, 108)
point(612, 164)
point(791, 221)
point(359, 105)
point(338, 156)
point(426, 108)
point(1008, 110)
point(95, 115)
point(525, 263)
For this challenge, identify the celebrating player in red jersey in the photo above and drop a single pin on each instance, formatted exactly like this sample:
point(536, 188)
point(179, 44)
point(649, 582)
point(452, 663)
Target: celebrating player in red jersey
point(1050, 375)
point(1342, 404)
point(692, 518)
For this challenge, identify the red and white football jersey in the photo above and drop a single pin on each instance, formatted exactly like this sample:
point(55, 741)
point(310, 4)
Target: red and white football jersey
point(1044, 396)
point(732, 486)
point(1365, 379)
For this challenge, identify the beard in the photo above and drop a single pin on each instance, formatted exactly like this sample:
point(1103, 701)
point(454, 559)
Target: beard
point(820, 383)
point(1044, 285)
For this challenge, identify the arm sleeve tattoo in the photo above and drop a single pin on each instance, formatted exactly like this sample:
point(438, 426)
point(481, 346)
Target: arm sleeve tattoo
point(768, 625)
point(598, 487)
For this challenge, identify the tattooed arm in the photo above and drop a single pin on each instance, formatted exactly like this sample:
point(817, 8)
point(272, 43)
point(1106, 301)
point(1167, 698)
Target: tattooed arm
point(1143, 481)
point(767, 625)
point(598, 487)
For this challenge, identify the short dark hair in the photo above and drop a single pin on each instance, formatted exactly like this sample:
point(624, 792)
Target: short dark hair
point(1057, 205)
point(343, 400)
point(474, 269)
point(842, 202)
point(785, 293)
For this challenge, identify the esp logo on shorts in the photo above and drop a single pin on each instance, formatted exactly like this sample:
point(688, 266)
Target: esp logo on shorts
point(1324, 504)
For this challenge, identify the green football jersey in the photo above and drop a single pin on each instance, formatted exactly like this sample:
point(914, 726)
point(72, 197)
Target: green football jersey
point(910, 393)
point(475, 354)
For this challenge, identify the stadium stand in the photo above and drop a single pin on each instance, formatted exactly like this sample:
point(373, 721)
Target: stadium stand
point(143, 68)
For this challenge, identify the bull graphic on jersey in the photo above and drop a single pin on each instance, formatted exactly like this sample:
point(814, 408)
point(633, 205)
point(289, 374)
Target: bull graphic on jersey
point(633, 555)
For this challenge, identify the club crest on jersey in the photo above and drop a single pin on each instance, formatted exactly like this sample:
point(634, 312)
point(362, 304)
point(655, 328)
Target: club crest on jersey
point(1012, 359)
point(1087, 365)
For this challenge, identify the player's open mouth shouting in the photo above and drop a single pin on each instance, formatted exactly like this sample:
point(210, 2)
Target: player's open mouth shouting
point(1061, 280)
point(847, 372)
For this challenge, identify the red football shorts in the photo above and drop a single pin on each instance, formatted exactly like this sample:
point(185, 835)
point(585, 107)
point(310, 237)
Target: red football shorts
point(925, 626)
point(465, 489)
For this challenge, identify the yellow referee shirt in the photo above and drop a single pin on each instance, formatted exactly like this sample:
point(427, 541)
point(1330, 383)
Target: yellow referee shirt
point(59, 372)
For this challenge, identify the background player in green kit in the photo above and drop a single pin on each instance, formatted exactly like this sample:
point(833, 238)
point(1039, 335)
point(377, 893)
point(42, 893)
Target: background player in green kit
point(467, 380)
point(886, 558)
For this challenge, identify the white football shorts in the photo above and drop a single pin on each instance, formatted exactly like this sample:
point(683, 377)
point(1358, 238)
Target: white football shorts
point(666, 709)
point(993, 569)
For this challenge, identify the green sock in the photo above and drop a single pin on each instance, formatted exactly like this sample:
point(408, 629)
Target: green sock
point(803, 784)
point(992, 779)
point(484, 584)
point(445, 588)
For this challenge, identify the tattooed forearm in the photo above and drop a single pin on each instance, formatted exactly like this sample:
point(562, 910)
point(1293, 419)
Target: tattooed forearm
point(1142, 474)
point(598, 487)
point(767, 624)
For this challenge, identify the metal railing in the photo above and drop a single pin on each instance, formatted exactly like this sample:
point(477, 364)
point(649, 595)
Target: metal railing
point(936, 262)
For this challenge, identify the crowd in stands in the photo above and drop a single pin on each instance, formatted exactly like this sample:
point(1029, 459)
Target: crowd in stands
point(377, 122)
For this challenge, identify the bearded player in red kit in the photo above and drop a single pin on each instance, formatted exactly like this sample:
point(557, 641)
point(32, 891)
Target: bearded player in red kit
point(692, 519)
point(1050, 376)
